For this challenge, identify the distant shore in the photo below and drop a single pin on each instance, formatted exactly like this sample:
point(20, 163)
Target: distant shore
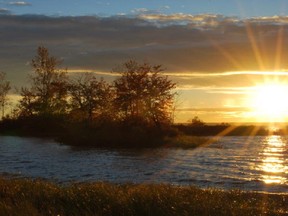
point(37, 197)
point(130, 136)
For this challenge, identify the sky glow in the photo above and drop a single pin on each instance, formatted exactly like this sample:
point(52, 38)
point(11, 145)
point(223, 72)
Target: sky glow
point(216, 51)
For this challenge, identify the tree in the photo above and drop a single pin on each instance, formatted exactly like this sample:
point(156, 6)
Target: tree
point(196, 121)
point(89, 97)
point(48, 91)
point(4, 90)
point(143, 94)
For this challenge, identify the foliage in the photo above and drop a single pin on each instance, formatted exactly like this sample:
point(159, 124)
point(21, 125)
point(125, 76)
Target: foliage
point(142, 94)
point(4, 90)
point(90, 98)
point(35, 197)
point(48, 91)
point(137, 106)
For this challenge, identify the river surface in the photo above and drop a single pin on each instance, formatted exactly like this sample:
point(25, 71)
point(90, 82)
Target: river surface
point(247, 163)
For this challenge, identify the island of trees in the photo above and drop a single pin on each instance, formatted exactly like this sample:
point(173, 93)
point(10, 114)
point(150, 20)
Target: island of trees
point(136, 109)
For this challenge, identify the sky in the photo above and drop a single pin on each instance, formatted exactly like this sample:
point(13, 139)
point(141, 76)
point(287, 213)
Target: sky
point(216, 51)
point(238, 8)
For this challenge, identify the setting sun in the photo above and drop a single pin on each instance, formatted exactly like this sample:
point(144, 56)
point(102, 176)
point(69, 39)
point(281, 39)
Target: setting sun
point(269, 101)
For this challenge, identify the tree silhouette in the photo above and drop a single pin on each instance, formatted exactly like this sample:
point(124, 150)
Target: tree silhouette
point(89, 97)
point(196, 121)
point(143, 94)
point(4, 89)
point(48, 91)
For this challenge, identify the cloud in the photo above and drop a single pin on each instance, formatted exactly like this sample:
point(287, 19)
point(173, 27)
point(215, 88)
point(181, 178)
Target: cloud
point(140, 10)
point(19, 3)
point(212, 58)
point(185, 75)
point(98, 73)
point(197, 49)
point(215, 109)
point(143, 11)
point(4, 11)
point(200, 20)
point(166, 7)
point(209, 20)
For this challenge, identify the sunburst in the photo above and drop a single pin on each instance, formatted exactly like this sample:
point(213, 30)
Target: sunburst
point(269, 101)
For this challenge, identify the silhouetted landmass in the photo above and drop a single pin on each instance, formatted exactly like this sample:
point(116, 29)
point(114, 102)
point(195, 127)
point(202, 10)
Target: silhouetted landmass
point(124, 134)
point(224, 130)
point(109, 134)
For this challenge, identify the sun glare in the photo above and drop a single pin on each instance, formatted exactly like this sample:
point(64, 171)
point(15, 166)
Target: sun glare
point(270, 102)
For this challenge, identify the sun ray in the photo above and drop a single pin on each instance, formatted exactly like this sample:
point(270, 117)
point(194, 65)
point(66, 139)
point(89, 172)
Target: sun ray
point(227, 55)
point(255, 46)
point(279, 48)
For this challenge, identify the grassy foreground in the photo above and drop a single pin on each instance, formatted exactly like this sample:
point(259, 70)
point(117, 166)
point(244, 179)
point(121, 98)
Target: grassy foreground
point(35, 197)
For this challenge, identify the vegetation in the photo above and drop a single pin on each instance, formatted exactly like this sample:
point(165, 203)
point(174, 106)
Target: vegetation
point(143, 95)
point(90, 99)
point(48, 91)
point(196, 121)
point(35, 197)
point(136, 108)
point(4, 90)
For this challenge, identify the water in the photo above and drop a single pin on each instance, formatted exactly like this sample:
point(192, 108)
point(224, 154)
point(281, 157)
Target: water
point(248, 163)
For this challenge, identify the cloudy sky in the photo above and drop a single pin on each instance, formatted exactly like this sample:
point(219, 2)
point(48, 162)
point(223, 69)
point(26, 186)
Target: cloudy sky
point(216, 51)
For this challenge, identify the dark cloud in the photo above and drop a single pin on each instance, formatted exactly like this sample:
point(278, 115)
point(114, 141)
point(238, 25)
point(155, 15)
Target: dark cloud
point(203, 43)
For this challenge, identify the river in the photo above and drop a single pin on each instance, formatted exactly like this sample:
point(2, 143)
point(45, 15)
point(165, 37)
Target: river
point(247, 163)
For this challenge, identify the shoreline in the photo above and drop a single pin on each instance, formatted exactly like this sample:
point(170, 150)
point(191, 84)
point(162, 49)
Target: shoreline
point(134, 136)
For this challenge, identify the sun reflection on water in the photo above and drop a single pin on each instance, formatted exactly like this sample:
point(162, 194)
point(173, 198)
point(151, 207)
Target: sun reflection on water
point(273, 160)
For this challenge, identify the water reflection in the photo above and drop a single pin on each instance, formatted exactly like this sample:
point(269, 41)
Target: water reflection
point(273, 160)
point(232, 166)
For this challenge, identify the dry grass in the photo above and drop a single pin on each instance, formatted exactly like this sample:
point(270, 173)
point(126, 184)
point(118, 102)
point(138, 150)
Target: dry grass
point(36, 197)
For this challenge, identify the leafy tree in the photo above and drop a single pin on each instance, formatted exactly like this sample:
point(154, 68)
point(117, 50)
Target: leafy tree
point(90, 98)
point(143, 94)
point(4, 90)
point(48, 91)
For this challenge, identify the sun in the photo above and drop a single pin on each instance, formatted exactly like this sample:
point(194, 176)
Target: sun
point(270, 101)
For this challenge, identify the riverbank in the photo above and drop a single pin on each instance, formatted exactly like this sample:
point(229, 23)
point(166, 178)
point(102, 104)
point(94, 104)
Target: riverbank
point(37, 197)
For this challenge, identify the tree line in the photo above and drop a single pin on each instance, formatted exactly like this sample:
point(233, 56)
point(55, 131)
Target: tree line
point(140, 96)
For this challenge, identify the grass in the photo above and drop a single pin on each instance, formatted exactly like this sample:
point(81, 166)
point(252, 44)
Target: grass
point(37, 197)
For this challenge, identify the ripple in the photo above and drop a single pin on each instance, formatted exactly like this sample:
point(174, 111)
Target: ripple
point(257, 163)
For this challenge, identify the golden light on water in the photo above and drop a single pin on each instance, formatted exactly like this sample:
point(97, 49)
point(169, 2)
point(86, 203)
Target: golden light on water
point(273, 161)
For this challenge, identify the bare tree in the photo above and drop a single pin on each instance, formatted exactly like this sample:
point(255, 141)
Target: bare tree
point(48, 91)
point(4, 90)
point(142, 93)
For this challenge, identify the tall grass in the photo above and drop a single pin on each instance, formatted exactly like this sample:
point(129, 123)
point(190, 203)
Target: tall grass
point(36, 197)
